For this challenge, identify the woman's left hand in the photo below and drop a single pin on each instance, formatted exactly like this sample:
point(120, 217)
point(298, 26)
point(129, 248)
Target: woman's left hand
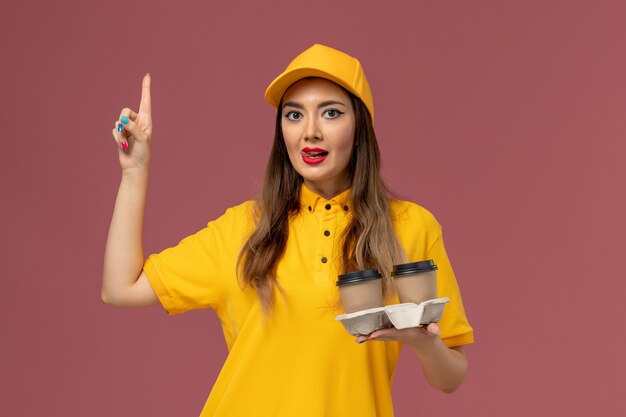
point(444, 368)
point(416, 337)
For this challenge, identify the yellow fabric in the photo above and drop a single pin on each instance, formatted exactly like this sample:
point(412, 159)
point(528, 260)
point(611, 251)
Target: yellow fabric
point(300, 361)
point(325, 62)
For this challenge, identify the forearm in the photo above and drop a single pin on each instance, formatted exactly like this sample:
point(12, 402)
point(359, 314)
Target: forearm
point(123, 257)
point(444, 368)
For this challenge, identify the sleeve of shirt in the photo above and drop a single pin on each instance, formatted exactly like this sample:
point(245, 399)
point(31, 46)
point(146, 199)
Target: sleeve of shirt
point(193, 274)
point(422, 238)
point(455, 328)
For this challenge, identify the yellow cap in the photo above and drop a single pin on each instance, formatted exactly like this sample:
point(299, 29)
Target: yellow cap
point(325, 62)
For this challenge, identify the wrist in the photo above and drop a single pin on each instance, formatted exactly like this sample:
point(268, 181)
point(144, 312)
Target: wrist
point(427, 346)
point(137, 172)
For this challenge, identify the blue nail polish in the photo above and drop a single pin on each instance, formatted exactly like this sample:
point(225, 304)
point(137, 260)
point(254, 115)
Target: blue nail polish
point(119, 128)
point(124, 120)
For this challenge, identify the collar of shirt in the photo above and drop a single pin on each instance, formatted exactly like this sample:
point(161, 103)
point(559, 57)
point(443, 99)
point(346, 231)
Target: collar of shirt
point(310, 201)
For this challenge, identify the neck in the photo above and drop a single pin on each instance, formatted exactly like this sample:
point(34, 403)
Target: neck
point(327, 189)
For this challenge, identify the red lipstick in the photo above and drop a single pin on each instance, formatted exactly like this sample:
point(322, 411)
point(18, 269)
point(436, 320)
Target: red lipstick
point(313, 156)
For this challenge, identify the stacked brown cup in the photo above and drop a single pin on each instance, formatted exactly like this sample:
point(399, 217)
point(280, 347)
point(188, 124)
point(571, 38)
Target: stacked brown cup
point(415, 282)
point(360, 290)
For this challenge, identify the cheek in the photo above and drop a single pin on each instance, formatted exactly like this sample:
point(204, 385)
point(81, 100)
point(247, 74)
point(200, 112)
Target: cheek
point(347, 142)
point(290, 143)
point(293, 150)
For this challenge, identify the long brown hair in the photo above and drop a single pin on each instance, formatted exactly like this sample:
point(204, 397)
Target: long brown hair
point(368, 241)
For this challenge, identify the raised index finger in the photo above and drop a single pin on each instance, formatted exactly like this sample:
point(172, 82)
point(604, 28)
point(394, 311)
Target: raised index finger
point(146, 105)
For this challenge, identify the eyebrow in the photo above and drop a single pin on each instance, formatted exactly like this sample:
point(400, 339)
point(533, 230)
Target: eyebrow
point(319, 106)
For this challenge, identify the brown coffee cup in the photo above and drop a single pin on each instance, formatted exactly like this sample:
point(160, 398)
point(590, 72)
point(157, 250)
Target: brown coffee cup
point(416, 281)
point(361, 290)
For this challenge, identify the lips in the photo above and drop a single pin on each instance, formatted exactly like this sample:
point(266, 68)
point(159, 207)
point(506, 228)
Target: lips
point(313, 156)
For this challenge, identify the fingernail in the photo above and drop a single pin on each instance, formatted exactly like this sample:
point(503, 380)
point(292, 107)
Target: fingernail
point(124, 120)
point(124, 145)
point(119, 128)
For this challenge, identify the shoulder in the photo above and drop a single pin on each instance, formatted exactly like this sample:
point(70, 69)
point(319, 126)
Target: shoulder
point(409, 214)
point(244, 209)
point(239, 216)
point(416, 228)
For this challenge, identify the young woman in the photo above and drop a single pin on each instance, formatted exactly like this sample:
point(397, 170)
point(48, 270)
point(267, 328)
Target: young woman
point(268, 267)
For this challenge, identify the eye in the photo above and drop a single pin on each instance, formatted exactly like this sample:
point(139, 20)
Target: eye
point(332, 113)
point(293, 115)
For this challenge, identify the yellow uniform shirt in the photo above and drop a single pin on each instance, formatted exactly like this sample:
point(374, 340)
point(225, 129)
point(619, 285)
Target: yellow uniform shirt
point(299, 361)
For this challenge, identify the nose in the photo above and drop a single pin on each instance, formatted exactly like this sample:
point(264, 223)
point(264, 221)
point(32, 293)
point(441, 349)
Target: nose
point(312, 130)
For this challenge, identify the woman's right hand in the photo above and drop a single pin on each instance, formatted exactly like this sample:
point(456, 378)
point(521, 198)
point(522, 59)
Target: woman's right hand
point(123, 281)
point(134, 136)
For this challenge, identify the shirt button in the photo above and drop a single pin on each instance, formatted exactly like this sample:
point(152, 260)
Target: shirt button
point(327, 206)
point(324, 260)
point(345, 208)
point(326, 233)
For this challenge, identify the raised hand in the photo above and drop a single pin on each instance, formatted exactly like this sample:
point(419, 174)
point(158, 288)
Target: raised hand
point(133, 132)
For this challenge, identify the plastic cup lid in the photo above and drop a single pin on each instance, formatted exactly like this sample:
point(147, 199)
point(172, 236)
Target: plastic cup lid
point(414, 267)
point(358, 276)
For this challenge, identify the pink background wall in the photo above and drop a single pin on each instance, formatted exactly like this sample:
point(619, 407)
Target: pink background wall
point(505, 119)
